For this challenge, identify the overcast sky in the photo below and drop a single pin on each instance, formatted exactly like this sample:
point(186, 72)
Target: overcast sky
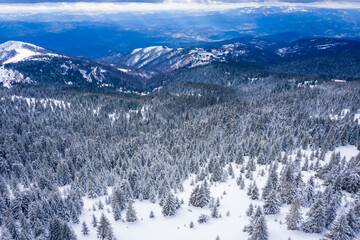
point(112, 6)
point(156, 1)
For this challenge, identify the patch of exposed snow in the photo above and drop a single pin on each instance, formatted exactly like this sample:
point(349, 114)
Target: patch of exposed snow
point(229, 227)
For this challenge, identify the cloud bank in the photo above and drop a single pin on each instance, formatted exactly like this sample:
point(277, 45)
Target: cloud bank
point(151, 6)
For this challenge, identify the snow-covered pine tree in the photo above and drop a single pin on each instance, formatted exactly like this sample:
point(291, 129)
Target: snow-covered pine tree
point(272, 203)
point(294, 216)
point(309, 193)
point(130, 213)
point(271, 183)
point(250, 210)
point(116, 212)
point(217, 174)
point(214, 212)
point(257, 228)
point(340, 230)
point(84, 229)
point(104, 229)
point(200, 196)
point(94, 221)
point(254, 195)
point(254, 218)
point(353, 220)
point(169, 207)
point(260, 231)
point(239, 157)
point(315, 221)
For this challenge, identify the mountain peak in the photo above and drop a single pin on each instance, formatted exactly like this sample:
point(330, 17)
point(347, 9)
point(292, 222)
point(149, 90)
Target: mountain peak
point(14, 45)
point(16, 51)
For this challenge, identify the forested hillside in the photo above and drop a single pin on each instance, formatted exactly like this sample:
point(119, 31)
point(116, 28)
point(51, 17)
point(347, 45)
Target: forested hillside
point(61, 151)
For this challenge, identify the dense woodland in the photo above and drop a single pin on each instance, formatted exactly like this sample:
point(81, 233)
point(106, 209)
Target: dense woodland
point(145, 147)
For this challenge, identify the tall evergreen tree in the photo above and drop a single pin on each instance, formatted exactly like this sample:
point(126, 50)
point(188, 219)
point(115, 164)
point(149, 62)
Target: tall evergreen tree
point(272, 203)
point(169, 207)
point(294, 216)
point(315, 221)
point(340, 230)
point(104, 229)
point(130, 213)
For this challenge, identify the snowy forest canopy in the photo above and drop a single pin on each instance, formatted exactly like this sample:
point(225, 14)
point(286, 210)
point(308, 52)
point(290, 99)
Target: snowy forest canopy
point(59, 147)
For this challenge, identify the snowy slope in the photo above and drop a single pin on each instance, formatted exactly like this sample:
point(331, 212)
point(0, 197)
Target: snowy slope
point(14, 51)
point(23, 62)
point(8, 77)
point(232, 200)
point(318, 46)
point(165, 59)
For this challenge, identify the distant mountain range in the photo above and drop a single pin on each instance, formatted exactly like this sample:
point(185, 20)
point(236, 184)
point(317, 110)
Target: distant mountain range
point(165, 59)
point(140, 70)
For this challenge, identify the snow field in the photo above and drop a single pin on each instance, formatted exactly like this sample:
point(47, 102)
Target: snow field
point(235, 201)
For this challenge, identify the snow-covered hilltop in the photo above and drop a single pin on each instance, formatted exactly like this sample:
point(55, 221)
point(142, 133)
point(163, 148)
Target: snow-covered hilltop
point(27, 63)
point(165, 59)
point(15, 51)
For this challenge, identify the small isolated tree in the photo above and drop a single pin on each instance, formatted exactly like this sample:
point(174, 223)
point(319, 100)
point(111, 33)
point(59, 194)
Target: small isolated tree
point(84, 229)
point(152, 214)
point(100, 205)
point(214, 212)
point(191, 224)
point(294, 217)
point(130, 213)
point(169, 207)
point(104, 229)
point(94, 221)
point(203, 218)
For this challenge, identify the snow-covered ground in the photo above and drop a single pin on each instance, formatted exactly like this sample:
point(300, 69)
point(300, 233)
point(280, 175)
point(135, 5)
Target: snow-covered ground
point(52, 103)
point(15, 51)
point(235, 201)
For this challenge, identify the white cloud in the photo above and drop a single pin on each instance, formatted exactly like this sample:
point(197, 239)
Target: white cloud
point(187, 5)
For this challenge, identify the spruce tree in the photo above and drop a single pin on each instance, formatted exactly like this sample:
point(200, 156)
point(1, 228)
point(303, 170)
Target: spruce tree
point(294, 216)
point(340, 230)
point(260, 231)
point(130, 213)
point(250, 210)
point(254, 218)
point(169, 207)
point(217, 174)
point(254, 194)
point(315, 221)
point(214, 212)
point(94, 221)
point(104, 229)
point(272, 204)
point(84, 229)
